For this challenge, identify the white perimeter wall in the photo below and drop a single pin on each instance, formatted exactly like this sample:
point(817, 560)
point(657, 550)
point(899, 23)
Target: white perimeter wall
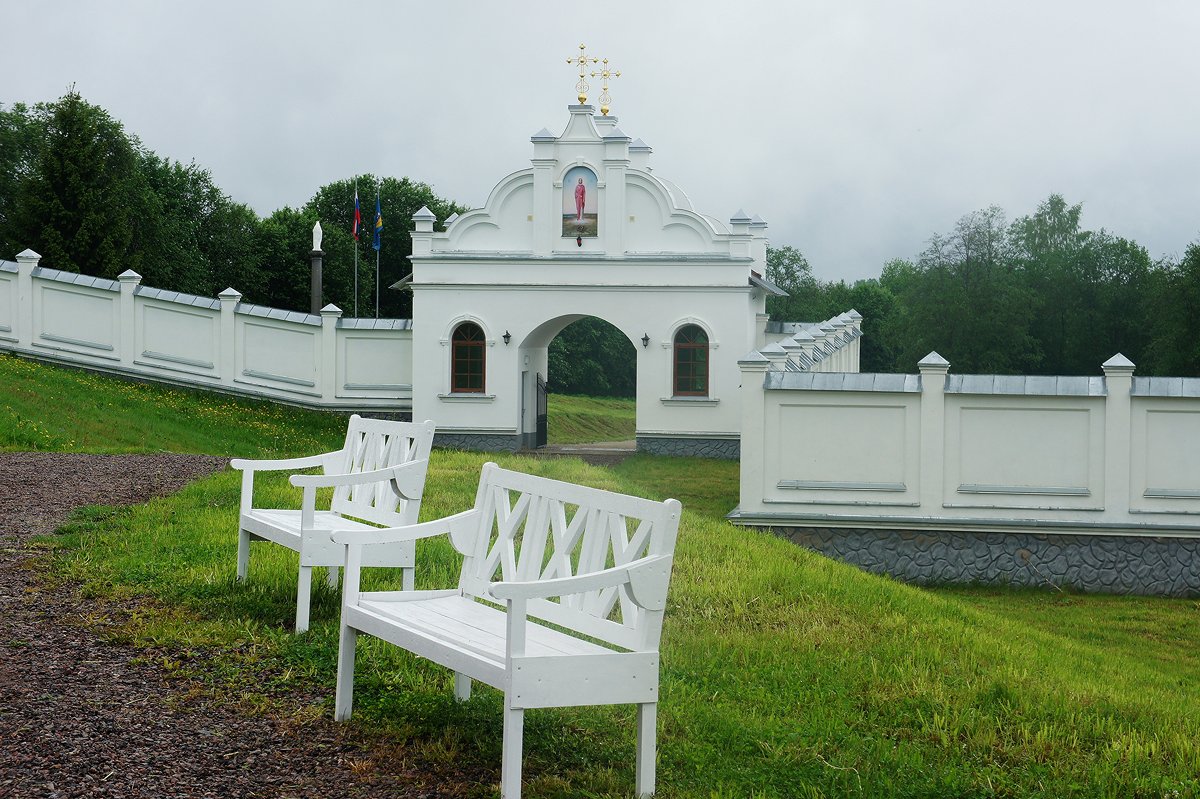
point(1073, 454)
point(224, 344)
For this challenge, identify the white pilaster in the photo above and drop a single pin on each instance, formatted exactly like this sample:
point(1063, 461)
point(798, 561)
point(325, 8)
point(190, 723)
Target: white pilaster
point(127, 316)
point(933, 430)
point(227, 346)
point(27, 261)
point(1118, 383)
point(754, 369)
point(328, 380)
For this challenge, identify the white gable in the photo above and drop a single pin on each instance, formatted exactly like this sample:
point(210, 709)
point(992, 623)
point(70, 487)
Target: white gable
point(630, 212)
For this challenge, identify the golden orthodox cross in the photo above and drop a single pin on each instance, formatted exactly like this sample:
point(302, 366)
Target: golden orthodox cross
point(582, 60)
point(605, 74)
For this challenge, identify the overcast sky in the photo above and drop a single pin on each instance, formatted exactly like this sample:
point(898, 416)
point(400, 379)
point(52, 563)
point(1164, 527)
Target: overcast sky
point(856, 129)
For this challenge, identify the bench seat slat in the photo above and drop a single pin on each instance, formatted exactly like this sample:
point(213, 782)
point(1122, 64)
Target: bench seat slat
point(316, 549)
point(478, 627)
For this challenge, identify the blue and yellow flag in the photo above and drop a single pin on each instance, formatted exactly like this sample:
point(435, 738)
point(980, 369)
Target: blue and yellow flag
point(378, 222)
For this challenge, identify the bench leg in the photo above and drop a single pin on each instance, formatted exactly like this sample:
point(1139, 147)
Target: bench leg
point(303, 598)
point(647, 717)
point(343, 697)
point(510, 757)
point(331, 578)
point(462, 687)
point(243, 556)
point(408, 578)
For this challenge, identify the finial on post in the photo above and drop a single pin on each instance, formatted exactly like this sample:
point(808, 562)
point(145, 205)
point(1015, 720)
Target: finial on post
point(317, 236)
point(582, 60)
point(605, 74)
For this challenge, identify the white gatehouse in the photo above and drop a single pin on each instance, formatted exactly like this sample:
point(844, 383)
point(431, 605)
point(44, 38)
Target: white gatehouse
point(587, 230)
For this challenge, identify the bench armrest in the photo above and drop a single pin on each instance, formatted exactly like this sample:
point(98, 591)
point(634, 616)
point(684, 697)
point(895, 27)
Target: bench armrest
point(647, 579)
point(408, 479)
point(282, 465)
point(461, 528)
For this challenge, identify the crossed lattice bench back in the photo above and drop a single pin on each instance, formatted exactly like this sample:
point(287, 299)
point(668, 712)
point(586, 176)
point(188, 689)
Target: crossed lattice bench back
point(534, 529)
point(374, 444)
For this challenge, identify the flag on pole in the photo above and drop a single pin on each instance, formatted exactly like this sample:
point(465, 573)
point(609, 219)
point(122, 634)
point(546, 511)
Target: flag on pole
point(357, 215)
point(378, 223)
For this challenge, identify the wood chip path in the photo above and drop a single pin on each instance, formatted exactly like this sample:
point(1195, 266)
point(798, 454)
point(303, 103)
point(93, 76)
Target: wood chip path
point(80, 717)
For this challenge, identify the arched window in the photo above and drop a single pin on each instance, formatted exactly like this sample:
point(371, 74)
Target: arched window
point(691, 362)
point(466, 359)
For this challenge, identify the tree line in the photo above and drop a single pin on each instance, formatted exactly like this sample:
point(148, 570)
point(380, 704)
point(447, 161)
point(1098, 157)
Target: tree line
point(1039, 295)
point(91, 198)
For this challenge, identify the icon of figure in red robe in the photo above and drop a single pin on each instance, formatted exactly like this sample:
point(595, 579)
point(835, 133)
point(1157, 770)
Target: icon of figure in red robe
point(580, 199)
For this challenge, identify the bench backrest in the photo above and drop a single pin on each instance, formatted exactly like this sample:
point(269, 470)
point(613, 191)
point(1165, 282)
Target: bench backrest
point(534, 528)
point(377, 444)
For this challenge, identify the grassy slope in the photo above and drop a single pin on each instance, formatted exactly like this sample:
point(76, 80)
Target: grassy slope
point(584, 420)
point(785, 674)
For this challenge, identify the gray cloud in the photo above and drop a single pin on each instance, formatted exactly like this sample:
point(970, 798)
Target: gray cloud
point(856, 129)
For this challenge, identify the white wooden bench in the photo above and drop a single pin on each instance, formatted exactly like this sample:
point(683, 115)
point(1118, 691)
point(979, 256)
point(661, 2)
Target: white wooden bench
point(605, 556)
point(377, 478)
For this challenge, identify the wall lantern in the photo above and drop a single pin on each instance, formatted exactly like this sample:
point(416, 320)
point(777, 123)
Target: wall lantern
point(507, 337)
point(579, 241)
point(645, 340)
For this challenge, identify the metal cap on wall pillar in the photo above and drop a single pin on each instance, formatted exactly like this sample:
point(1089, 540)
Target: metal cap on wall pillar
point(776, 355)
point(1118, 366)
point(933, 366)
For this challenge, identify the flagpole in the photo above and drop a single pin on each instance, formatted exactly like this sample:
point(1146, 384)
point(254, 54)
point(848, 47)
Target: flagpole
point(356, 251)
point(376, 227)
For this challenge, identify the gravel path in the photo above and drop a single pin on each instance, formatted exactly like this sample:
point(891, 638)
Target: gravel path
point(79, 718)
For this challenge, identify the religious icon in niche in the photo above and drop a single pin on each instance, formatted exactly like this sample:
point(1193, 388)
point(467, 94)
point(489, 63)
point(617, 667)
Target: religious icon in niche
point(580, 200)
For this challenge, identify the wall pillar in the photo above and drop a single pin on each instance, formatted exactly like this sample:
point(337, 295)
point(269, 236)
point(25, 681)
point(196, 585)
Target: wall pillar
point(127, 317)
point(856, 323)
point(227, 344)
point(933, 430)
point(1118, 384)
point(760, 330)
point(27, 261)
point(754, 369)
point(328, 379)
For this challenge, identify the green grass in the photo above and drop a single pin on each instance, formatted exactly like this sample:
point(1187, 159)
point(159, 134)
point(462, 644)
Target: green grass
point(585, 420)
point(785, 674)
point(69, 410)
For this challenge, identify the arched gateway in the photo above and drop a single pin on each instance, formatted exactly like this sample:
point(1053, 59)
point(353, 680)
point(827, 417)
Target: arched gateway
point(587, 230)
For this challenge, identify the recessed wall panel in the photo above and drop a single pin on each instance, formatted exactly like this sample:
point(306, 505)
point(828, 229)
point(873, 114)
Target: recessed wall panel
point(1172, 455)
point(1031, 448)
point(279, 354)
point(8, 305)
point(376, 362)
point(184, 338)
point(78, 319)
point(842, 445)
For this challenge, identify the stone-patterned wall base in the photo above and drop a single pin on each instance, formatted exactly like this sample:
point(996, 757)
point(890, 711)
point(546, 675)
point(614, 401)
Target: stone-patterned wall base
point(1110, 564)
point(722, 448)
point(477, 442)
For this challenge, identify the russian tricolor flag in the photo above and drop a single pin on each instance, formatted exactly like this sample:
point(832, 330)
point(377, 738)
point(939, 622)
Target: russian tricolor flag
point(357, 215)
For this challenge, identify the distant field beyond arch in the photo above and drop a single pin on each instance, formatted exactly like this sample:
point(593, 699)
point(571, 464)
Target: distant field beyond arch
point(592, 384)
